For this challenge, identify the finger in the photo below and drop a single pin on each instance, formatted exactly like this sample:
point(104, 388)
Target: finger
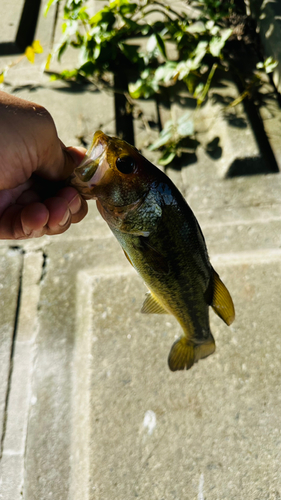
point(33, 221)
point(61, 162)
point(77, 205)
point(72, 158)
point(54, 216)
point(27, 197)
point(18, 222)
point(60, 211)
point(59, 215)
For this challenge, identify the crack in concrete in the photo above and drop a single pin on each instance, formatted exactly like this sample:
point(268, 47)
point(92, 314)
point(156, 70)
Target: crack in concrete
point(44, 265)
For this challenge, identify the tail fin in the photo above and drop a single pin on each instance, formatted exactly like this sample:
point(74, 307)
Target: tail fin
point(184, 354)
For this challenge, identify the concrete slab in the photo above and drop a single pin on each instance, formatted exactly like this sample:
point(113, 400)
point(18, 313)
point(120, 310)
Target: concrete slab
point(21, 369)
point(154, 434)
point(10, 18)
point(10, 271)
point(105, 419)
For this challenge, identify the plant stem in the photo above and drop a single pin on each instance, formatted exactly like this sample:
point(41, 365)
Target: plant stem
point(207, 85)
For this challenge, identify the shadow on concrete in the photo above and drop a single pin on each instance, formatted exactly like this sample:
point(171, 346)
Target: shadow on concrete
point(242, 167)
point(183, 161)
point(235, 121)
point(213, 149)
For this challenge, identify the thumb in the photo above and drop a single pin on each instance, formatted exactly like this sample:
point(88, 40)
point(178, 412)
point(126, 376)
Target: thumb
point(72, 158)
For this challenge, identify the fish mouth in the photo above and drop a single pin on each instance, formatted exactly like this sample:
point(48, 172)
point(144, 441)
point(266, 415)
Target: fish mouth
point(92, 160)
point(91, 170)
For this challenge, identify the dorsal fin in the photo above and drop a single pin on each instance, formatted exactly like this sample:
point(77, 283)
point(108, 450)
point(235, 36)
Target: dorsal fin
point(152, 306)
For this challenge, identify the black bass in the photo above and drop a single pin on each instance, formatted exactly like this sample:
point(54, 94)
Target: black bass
point(162, 240)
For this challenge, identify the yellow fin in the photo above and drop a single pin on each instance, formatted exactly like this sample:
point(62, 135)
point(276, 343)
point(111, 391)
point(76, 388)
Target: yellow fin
point(152, 306)
point(183, 354)
point(222, 301)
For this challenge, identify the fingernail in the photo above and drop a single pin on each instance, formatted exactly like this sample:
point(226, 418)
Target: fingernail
point(65, 218)
point(75, 204)
point(27, 231)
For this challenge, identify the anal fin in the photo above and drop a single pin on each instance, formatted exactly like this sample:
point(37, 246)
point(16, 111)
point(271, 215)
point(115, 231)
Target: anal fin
point(221, 301)
point(184, 354)
point(152, 306)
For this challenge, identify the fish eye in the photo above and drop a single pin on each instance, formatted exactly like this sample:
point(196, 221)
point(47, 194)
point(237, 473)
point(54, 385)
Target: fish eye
point(125, 164)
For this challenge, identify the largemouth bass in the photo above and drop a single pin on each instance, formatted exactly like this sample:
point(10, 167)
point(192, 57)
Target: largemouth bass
point(161, 239)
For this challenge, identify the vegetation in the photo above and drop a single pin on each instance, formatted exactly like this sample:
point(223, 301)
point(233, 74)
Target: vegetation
point(155, 48)
point(123, 34)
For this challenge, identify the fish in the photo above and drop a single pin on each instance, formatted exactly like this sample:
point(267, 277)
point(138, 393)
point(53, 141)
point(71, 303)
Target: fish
point(161, 238)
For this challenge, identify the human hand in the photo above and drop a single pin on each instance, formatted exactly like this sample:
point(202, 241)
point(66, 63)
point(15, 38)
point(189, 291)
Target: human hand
point(33, 162)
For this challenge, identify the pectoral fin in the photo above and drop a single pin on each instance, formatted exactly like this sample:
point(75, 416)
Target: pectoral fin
point(184, 354)
point(222, 301)
point(152, 306)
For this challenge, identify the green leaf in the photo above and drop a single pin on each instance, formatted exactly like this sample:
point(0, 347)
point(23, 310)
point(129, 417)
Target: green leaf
point(61, 50)
point(161, 45)
point(225, 34)
point(48, 5)
point(167, 158)
point(199, 53)
point(103, 16)
point(268, 65)
point(184, 68)
point(88, 68)
point(199, 89)
point(216, 44)
point(128, 8)
point(130, 51)
point(151, 43)
point(97, 52)
point(142, 88)
point(185, 126)
point(164, 137)
point(197, 27)
point(166, 72)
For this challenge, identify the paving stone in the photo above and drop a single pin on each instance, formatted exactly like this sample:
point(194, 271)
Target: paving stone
point(9, 19)
point(153, 433)
point(11, 486)
point(22, 366)
point(10, 269)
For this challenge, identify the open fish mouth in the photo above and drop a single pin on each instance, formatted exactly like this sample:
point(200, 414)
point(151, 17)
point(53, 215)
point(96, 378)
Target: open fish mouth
point(92, 160)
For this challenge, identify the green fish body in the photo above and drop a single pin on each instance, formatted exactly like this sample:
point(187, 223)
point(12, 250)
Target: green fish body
point(162, 240)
